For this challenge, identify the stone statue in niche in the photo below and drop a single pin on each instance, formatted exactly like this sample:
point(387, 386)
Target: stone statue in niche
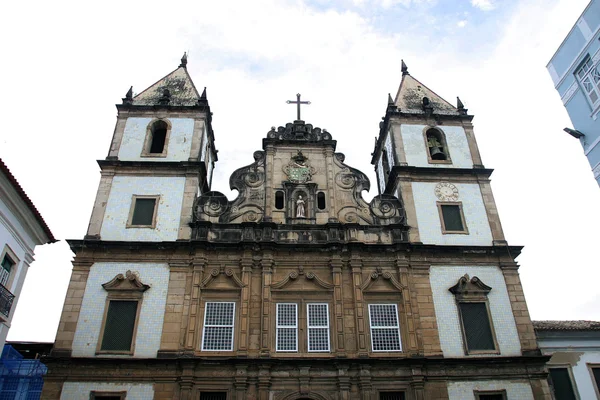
point(300, 208)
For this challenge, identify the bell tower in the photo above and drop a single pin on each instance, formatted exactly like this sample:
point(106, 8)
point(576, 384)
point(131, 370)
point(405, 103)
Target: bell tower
point(427, 155)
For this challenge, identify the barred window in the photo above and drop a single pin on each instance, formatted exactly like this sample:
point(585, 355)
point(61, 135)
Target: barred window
point(287, 327)
point(318, 327)
point(218, 326)
point(391, 396)
point(385, 329)
point(119, 325)
point(213, 396)
point(476, 326)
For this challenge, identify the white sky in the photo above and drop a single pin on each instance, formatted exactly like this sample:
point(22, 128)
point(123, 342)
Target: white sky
point(65, 64)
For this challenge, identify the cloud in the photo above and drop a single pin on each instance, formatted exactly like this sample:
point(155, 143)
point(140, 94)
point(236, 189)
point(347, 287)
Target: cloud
point(462, 24)
point(484, 5)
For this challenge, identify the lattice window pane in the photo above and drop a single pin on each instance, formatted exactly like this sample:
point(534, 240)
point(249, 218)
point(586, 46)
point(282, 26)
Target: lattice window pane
point(385, 329)
point(318, 327)
point(218, 326)
point(287, 327)
point(476, 324)
point(119, 325)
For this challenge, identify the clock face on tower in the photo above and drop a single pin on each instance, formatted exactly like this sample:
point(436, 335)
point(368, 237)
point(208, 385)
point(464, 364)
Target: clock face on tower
point(446, 191)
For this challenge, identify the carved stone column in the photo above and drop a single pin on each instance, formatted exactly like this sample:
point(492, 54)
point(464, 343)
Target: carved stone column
point(418, 383)
point(364, 382)
point(343, 382)
point(359, 305)
point(304, 380)
point(240, 382)
point(193, 306)
point(264, 382)
point(246, 267)
point(336, 265)
point(267, 271)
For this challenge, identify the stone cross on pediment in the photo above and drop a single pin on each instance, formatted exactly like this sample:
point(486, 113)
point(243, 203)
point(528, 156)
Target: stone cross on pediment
point(298, 103)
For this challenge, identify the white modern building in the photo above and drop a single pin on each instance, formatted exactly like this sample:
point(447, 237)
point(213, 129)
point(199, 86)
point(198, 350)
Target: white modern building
point(21, 229)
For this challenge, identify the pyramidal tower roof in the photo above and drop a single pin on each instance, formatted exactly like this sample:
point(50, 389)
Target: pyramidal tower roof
point(411, 93)
point(176, 89)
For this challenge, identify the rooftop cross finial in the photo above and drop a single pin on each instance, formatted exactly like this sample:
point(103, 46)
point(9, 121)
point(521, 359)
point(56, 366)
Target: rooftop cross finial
point(404, 68)
point(184, 60)
point(298, 102)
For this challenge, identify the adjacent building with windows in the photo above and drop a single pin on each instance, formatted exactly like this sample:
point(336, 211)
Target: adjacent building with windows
point(575, 71)
point(298, 288)
point(575, 363)
point(21, 229)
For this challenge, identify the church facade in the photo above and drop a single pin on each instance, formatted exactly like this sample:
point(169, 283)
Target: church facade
point(298, 288)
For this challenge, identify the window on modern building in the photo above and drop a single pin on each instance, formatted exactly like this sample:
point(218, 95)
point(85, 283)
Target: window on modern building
point(561, 383)
point(476, 324)
point(452, 218)
point(7, 264)
point(119, 326)
point(279, 200)
point(157, 138)
point(213, 396)
point(218, 326)
point(287, 327)
point(108, 395)
point(392, 396)
point(385, 327)
point(490, 395)
point(595, 370)
point(143, 212)
point(588, 75)
point(318, 327)
point(321, 200)
point(437, 149)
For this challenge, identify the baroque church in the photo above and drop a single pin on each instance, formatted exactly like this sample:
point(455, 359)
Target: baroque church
point(298, 288)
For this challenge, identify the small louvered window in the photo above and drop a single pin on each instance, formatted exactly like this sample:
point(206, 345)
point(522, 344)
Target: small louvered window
point(119, 325)
point(318, 327)
point(218, 326)
point(287, 327)
point(476, 325)
point(385, 329)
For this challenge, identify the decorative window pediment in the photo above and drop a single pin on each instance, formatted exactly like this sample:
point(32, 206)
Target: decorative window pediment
point(310, 276)
point(232, 279)
point(392, 283)
point(128, 282)
point(470, 289)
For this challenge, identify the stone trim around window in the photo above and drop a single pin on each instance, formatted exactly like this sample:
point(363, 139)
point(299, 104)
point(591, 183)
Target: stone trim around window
point(500, 394)
point(150, 137)
point(134, 199)
point(126, 287)
point(473, 290)
point(121, 395)
point(465, 230)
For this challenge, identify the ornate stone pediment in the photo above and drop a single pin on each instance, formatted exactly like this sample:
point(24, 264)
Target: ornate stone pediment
point(128, 282)
point(310, 276)
point(299, 131)
point(467, 287)
point(231, 279)
point(375, 280)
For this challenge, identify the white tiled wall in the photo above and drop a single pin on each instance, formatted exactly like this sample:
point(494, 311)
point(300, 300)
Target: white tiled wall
point(178, 147)
point(81, 390)
point(416, 153)
point(149, 331)
point(430, 225)
point(514, 390)
point(168, 216)
point(444, 277)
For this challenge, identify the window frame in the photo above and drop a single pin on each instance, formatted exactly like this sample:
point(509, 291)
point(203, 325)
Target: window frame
point(96, 394)
point(226, 393)
point(443, 142)
point(309, 327)
point(277, 327)
point(381, 393)
point(134, 199)
point(569, 370)
point(593, 67)
point(478, 393)
point(468, 351)
point(149, 136)
point(445, 231)
point(204, 326)
point(389, 327)
point(8, 252)
point(591, 367)
point(120, 297)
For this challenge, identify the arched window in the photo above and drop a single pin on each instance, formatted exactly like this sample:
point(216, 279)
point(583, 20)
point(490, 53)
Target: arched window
point(437, 149)
point(321, 200)
point(279, 200)
point(157, 137)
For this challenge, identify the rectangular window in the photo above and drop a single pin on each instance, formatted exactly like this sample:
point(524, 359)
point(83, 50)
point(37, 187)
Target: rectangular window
point(318, 327)
point(287, 327)
point(119, 326)
point(490, 395)
point(596, 378)
point(108, 395)
point(213, 396)
point(453, 220)
point(385, 329)
point(560, 381)
point(477, 329)
point(391, 396)
point(589, 78)
point(7, 264)
point(143, 212)
point(218, 326)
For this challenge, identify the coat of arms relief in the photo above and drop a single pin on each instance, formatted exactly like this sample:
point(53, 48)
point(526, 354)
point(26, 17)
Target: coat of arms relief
point(298, 170)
